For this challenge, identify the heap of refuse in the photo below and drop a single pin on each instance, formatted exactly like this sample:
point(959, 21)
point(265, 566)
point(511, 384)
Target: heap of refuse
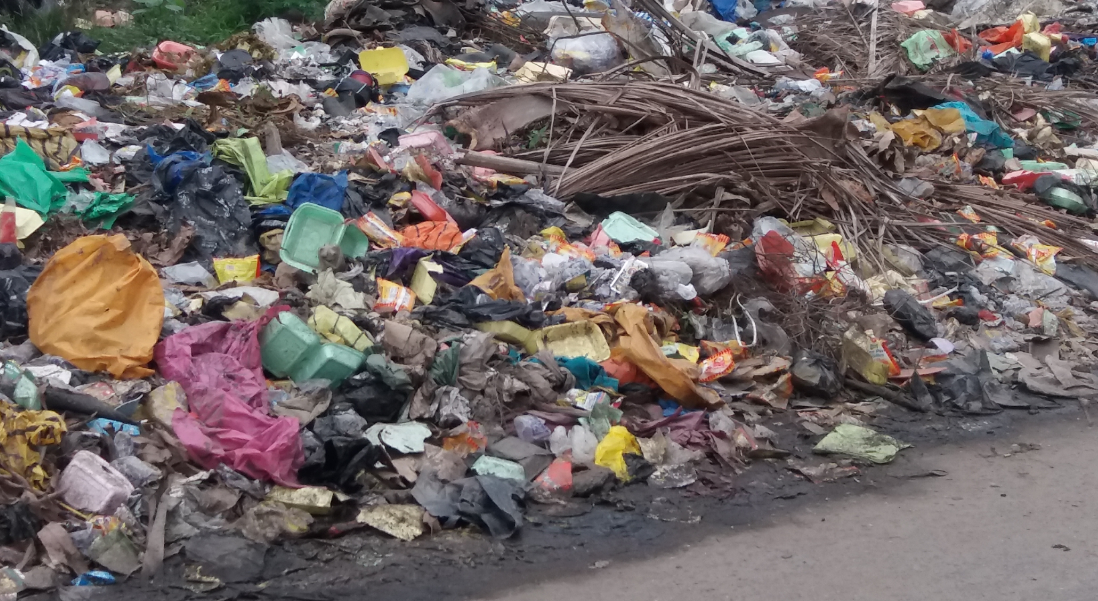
point(300, 285)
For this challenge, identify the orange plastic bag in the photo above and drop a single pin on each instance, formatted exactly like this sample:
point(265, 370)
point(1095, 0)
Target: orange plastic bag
point(99, 306)
point(638, 347)
point(432, 235)
point(499, 281)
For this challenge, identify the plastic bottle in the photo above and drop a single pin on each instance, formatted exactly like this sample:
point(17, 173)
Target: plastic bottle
point(7, 222)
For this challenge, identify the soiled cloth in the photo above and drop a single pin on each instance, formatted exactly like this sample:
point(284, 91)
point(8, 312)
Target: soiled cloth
point(56, 145)
point(638, 347)
point(21, 433)
point(218, 365)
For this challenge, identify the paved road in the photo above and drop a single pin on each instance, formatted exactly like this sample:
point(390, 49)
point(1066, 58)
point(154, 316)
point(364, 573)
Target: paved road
point(996, 527)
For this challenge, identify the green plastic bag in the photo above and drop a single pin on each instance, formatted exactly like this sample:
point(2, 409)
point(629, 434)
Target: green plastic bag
point(23, 176)
point(926, 46)
point(266, 187)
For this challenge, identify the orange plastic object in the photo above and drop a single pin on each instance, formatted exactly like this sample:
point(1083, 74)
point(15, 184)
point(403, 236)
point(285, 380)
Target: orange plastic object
point(99, 306)
point(432, 235)
point(172, 56)
point(428, 208)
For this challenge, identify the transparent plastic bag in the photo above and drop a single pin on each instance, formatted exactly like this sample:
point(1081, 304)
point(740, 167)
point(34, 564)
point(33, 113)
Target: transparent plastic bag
point(277, 33)
point(442, 82)
point(587, 53)
point(709, 274)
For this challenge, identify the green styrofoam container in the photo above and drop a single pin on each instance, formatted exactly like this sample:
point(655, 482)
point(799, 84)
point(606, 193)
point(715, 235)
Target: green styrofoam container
point(285, 342)
point(313, 226)
point(334, 362)
point(354, 243)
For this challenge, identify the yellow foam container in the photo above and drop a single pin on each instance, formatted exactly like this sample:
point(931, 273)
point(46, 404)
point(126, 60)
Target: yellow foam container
point(388, 65)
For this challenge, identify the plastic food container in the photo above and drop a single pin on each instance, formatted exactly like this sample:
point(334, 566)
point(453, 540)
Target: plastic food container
point(333, 362)
point(313, 226)
point(289, 347)
point(388, 65)
point(91, 484)
point(285, 342)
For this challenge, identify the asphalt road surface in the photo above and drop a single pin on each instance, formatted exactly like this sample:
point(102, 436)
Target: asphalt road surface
point(1000, 524)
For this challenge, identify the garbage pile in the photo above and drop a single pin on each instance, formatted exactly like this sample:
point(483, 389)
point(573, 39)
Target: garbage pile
point(422, 268)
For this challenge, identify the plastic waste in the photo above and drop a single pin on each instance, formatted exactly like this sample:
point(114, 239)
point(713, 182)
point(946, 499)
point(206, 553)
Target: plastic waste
point(192, 273)
point(277, 33)
point(588, 53)
point(531, 428)
point(23, 176)
point(289, 347)
point(91, 484)
point(815, 374)
point(93, 153)
point(709, 274)
point(860, 442)
point(611, 451)
point(442, 82)
point(925, 47)
point(319, 189)
point(312, 227)
point(218, 364)
point(99, 287)
point(388, 65)
point(914, 317)
point(248, 154)
point(136, 471)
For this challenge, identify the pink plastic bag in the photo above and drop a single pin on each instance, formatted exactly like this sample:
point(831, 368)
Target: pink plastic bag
point(218, 365)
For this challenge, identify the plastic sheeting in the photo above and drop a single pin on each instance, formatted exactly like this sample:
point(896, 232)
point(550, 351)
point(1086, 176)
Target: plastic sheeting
point(98, 305)
point(218, 365)
point(317, 188)
point(986, 131)
point(247, 153)
point(23, 175)
point(637, 346)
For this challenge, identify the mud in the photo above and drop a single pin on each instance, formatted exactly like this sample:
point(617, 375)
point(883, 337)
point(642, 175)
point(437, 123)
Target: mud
point(632, 523)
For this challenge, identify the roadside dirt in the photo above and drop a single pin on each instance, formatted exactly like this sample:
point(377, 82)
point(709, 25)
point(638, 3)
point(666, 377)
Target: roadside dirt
point(633, 525)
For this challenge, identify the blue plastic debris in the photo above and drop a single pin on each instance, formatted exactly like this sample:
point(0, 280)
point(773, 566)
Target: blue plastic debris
point(94, 578)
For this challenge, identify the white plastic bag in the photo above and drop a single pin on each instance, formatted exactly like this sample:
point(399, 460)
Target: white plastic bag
point(286, 162)
point(442, 83)
point(710, 274)
point(277, 33)
point(93, 153)
point(588, 53)
point(583, 445)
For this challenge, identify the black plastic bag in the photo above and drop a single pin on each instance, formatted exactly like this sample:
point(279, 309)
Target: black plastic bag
point(469, 302)
point(484, 249)
point(68, 44)
point(14, 285)
point(815, 374)
point(1079, 276)
point(337, 462)
point(915, 318)
point(491, 503)
point(633, 204)
point(18, 523)
point(372, 398)
point(212, 200)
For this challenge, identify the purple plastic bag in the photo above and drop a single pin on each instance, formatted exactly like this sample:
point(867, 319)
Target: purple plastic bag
point(219, 367)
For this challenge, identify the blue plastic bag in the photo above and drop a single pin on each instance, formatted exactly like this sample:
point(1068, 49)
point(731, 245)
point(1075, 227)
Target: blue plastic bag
point(317, 188)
